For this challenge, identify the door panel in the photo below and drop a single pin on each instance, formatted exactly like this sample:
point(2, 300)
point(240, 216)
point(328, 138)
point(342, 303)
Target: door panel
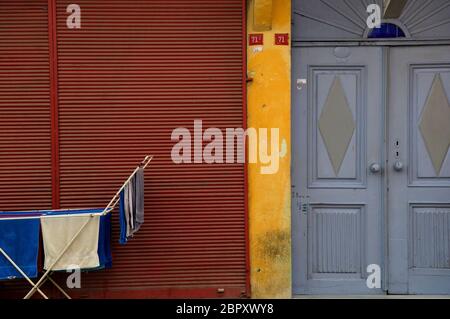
point(419, 194)
point(337, 219)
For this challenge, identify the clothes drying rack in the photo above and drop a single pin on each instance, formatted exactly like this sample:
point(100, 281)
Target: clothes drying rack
point(58, 214)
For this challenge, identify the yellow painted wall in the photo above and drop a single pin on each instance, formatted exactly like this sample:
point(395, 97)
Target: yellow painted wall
point(269, 195)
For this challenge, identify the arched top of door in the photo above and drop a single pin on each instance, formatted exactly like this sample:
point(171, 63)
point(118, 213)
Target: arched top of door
point(389, 29)
point(346, 21)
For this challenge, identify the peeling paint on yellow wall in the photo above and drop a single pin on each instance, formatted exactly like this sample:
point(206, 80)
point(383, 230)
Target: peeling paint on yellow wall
point(262, 15)
point(269, 195)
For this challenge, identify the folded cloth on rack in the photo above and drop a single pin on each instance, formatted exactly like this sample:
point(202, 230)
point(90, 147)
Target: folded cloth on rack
point(139, 199)
point(20, 241)
point(104, 242)
point(131, 209)
point(128, 198)
point(122, 219)
point(132, 199)
point(57, 232)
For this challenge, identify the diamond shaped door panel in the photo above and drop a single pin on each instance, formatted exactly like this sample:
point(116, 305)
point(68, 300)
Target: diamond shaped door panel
point(336, 124)
point(336, 129)
point(435, 124)
point(430, 125)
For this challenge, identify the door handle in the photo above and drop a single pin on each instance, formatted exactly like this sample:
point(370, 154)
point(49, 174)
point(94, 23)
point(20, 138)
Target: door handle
point(375, 168)
point(398, 166)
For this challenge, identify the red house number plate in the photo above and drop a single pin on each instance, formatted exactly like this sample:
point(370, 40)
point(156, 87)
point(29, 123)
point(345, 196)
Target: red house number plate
point(256, 39)
point(282, 39)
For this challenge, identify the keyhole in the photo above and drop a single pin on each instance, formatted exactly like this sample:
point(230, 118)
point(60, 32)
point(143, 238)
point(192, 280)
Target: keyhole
point(397, 147)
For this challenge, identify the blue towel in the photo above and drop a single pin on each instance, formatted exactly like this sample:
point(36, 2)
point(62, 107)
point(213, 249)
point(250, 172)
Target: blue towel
point(122, 220)
point(20, 240)
point(104, 242)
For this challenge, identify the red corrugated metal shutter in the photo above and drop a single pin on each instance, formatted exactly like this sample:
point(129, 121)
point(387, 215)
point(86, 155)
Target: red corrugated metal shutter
point(135, 71)
point(25, 140)
point(25, 143)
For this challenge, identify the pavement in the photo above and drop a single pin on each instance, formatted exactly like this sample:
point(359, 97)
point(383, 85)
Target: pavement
point(371, 297)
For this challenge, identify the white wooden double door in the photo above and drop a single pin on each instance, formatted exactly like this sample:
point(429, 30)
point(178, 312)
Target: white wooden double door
point(371, 169)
